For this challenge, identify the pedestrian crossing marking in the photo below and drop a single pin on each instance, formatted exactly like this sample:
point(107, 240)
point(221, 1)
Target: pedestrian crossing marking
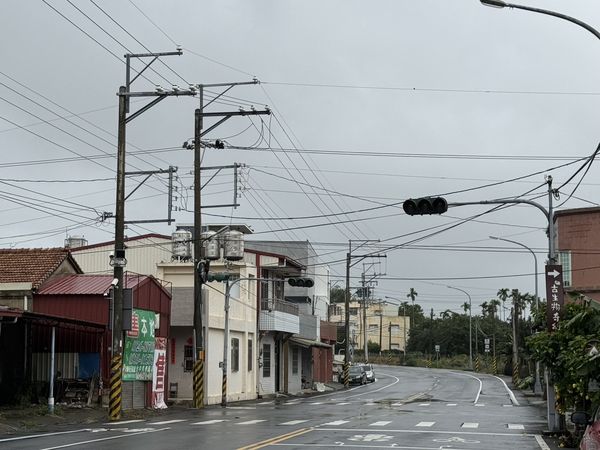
point(123, 422)
point(209, 422)
point(370, 404)
point(470, 425)
point(265, 403)
point(424, 404)
point(342, 404)
point(397, 404)
point(451, 404)
point(336, 422)
point(507, 406)
point(479, 404)
point(382, 423)
point(252, 422)
point(315, 403)
point(425, 424)
point(515, 426)
point(165, 422)
point(294, 422)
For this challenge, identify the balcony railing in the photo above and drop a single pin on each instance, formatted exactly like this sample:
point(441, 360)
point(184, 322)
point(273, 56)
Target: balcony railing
point(275, 304)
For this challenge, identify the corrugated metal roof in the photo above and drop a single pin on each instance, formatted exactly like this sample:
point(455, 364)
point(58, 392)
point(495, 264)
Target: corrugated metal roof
point(86, 284)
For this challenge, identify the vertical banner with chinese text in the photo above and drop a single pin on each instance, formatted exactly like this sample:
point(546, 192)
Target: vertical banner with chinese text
point(159, 374)
point(555, 295)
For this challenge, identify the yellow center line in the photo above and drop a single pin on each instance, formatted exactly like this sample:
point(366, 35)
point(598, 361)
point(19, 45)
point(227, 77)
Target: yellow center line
point(276, 439)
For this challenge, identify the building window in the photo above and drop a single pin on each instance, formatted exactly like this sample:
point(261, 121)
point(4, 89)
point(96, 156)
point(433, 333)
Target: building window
point(373, 328)
point(278, 289)
point(353, 311)
point(395, 346)
point(266, 360)
point(250, 355)
point(235, 354)
point(564, 258)
point(295, 360)
point(395, 329)
point(264, 290)
point(188, 358)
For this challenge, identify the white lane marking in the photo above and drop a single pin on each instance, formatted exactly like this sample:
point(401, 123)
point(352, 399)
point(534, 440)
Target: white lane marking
point(294, 422)
point(252, 422)
point(507, 406)
point(166, 422)
point(478, 379)
point(209, 422)
point(336, 422)
point(451, 404)
point(540, 440)
point(124, 422)
point(370, 404)
point(342, 404)
point(381, 388)
point(33, 436)
point(121, 436)
point(425, 424)
point(424, 404)
point(454, 433)
point(265, 403)
point(316, 403)
point(470, 425)
point(397, 404)
point(479, 404)
point(381, 423)
point(510, 393)
point(515, 426)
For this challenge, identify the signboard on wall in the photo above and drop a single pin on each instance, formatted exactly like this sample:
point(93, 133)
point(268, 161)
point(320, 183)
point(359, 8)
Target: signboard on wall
point(138, 354)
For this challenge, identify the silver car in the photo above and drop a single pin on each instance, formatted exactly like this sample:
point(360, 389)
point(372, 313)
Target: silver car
point(370, 372)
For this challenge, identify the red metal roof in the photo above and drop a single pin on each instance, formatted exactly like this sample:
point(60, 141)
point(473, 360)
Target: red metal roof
point(32, 265)
point(87, 284)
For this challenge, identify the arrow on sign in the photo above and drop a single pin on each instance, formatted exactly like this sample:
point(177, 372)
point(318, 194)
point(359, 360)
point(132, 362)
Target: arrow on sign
point(554, 273)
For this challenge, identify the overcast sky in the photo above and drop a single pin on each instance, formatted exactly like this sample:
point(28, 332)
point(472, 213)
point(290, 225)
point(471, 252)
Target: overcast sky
point(373, 102)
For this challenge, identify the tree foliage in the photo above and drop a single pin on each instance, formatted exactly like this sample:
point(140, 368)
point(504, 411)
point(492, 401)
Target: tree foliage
point(565, 353)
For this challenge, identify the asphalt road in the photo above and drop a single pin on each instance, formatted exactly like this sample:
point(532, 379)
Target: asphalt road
point(406, 408)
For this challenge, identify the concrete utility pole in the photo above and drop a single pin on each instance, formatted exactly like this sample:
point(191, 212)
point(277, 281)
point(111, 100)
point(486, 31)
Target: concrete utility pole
point(200, 264)
point(349, 257)
point(470, 327)
point(119, 261)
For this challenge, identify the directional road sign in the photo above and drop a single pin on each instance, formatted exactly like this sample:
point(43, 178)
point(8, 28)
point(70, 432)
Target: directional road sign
point(555, 295)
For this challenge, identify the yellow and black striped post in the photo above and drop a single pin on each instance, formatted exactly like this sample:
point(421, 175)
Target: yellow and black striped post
point(515, 374)
point(224, 389)
point(389, 359)
point(116, 388)
point(346, 375)
point(428, 363)
point(477, 363)
point(494, 365)
point(199, 383)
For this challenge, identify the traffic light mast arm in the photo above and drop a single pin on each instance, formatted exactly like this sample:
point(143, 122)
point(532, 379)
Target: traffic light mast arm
point(505, 202)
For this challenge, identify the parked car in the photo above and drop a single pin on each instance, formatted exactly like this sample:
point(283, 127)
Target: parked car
point(591, 436)
point(357, 375)
point(370, 372)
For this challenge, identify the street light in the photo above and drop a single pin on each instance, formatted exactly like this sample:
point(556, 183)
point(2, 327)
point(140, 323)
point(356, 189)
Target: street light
point(404, 319)
point(470, 319)
point(537, 386)
point(553, 419)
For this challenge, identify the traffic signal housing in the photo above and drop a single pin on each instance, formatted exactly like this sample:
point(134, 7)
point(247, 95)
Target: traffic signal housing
point(217, 276)
point(301, 282)
point(425, 205)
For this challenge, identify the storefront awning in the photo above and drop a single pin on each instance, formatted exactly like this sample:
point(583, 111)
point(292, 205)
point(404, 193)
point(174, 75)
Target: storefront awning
point(309, 343)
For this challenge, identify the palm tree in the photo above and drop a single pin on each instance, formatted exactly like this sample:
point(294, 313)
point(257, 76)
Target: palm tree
point(494, 303)
point(466, 307)
point(485, 308)
point(503, 296)
point(412, 294)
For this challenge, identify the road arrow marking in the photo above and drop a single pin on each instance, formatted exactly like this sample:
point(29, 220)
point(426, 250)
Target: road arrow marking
point(554, 273)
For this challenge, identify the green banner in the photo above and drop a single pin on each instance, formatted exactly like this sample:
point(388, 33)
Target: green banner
point(138, 355)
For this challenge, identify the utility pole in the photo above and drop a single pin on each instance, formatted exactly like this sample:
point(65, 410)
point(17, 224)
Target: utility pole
point(200, 264)
point(515, 346)
point(119, 261)
point(381, 331)
point(349, 257)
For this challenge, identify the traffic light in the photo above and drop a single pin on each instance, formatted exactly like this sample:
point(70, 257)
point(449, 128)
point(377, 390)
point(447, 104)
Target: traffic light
point(301, 282)
point(217, 276)
point(425, 205)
